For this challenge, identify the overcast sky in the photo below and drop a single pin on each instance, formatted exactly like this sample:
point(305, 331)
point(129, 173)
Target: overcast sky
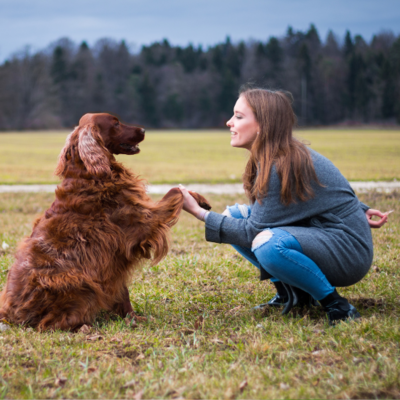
point(37, 23)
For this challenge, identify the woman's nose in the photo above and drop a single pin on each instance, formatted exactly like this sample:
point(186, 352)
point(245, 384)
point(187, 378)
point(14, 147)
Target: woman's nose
point(229, 123)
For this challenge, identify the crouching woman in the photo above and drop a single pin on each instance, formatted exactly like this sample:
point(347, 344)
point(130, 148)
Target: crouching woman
point(305, 229)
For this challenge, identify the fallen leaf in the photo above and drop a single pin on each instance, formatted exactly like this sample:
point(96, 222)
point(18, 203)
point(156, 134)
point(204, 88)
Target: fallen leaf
point(284, 386)
point(92, 369)
point(318, 352)
point(233, 367)
point(140, 357)
point(187, 331)
point(60, 381)
point(131, 322)
point(315, 383)
point(242, 386)
point(235, 309)
point(198, 358)
point(139, 318)
point(47, 383)
point(138, 395)
point(199, 322)
point(115, 339)
point(229, 394)
point(94, 337)
point(175, 393)
point(129, 384)
point(4, 327)
point(84, 329)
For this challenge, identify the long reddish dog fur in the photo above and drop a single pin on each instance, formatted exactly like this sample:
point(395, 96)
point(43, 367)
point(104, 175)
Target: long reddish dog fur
point(102, 224)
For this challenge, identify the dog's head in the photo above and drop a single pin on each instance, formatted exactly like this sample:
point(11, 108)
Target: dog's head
point(95, 140)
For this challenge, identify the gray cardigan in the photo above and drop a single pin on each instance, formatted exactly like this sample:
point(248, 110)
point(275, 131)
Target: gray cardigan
point(331, 227)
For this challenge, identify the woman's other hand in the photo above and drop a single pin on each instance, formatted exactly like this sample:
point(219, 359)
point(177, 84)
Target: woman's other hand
point(190, 204)
point(376, 224)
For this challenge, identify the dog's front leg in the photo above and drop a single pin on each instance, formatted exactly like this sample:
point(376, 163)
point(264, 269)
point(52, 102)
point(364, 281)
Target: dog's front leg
point(124, 308)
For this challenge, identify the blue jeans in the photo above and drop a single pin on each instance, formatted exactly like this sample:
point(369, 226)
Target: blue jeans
point(281, 255)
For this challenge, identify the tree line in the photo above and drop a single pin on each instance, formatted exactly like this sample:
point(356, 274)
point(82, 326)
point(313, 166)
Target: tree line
point(166, 86)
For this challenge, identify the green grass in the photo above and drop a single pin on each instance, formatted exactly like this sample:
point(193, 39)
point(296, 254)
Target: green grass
point(203, 156)
point(174, 354)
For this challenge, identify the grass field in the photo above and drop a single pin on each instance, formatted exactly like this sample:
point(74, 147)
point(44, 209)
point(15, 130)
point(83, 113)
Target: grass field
point(203, 156)
point(201, 339)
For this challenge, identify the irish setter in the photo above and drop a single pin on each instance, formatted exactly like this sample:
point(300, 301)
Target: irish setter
point(102, 224)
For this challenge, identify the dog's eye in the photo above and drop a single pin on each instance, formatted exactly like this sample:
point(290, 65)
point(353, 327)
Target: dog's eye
point(116, 124)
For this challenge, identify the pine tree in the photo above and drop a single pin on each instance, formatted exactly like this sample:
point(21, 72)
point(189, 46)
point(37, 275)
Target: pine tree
point(148, 105)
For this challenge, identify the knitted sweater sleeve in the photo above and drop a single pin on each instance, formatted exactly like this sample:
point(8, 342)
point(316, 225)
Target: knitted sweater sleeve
point(334, 194)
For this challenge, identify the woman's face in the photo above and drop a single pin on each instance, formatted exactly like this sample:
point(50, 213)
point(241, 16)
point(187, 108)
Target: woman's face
point(243, 125)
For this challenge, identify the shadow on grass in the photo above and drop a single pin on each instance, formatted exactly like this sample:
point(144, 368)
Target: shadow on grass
point(317, 313)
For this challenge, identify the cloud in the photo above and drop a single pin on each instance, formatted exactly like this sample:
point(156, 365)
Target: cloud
point(39, 22)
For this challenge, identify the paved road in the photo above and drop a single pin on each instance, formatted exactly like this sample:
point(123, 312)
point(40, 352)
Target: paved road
point(204, 188)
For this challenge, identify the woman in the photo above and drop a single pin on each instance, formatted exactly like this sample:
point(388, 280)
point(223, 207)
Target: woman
point(305, 227)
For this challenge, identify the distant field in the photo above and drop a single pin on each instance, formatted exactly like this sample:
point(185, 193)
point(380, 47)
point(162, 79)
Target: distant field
point(203, 156)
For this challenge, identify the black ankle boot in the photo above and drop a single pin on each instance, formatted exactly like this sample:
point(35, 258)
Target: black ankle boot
point(279, 300)
point(338, 308)
point(281, 297)
point(297, 298)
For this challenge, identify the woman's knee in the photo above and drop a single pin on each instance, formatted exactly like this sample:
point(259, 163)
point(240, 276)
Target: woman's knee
point(261, 239)
point(270, 247)
point(264, 247)
point(275, 238)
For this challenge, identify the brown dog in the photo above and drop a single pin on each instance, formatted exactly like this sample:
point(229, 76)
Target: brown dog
point(82, 251)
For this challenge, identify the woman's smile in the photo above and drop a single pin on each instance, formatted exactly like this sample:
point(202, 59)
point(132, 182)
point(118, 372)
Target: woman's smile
point(243, 125)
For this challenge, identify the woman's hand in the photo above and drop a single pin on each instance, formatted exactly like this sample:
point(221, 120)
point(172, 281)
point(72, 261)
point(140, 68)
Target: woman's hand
point(376, 224)
point(190, 204)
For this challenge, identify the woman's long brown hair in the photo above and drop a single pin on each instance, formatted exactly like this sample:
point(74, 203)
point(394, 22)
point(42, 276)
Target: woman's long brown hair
point(275, 145)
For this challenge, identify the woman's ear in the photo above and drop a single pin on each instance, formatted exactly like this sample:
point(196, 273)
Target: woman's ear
point(92, 151)
point(62, 158)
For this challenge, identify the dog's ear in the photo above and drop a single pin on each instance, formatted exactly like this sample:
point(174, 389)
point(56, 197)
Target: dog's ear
point(62, 158)
point(93, 152)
